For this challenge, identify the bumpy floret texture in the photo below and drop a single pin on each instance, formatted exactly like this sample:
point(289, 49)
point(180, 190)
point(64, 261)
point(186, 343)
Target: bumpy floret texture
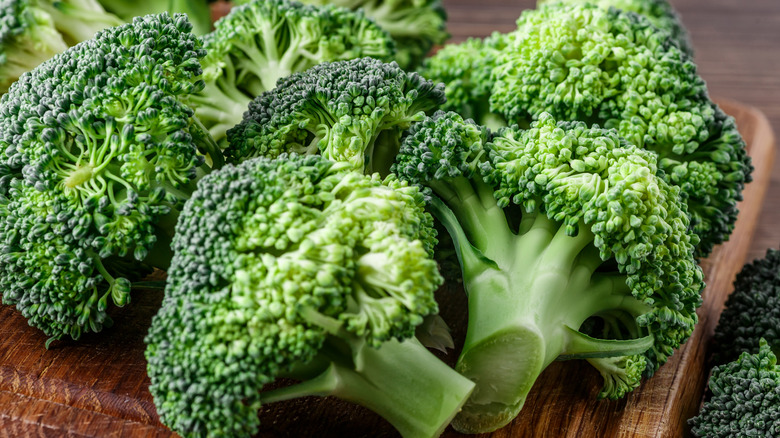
point(581, 62)
point(659, 12)
point(745, 399)
point(258, 43)
point(265, 254)
point(95, 148)
point(752, 310)
point(352, 111)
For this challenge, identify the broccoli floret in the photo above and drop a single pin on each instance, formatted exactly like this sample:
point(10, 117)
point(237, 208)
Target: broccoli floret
point(752, 310)
point(32, 31)
point(659, 12)
point(556, 226)
point(614, 68)
point(745, 399)
point(353, 111)
point(197, 11)
point(260, 42)
point(98, 151)
point(415, 25)
point(299, 268)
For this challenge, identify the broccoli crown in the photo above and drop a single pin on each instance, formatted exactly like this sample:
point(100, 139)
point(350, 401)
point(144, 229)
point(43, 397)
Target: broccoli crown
point(198, 11)
point(97, 146)
point(745, 399)
point(556, 213)
point(659, 12)
point(752, 311)
point(606, 66)
point(258, 43)
point(275, 260)
point(415, 25)
point(353, 111)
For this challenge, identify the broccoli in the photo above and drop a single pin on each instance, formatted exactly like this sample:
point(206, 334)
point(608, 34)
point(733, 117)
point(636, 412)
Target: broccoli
point(659, 12)
point(198, 11)
point(354, 111)
point(415, 25)
point(745, 399)
point(298, 267)
point(615, 69)
point(98, 151)
point(752, 311)
point(556, 226)
point(32, 31)
point(258, 43)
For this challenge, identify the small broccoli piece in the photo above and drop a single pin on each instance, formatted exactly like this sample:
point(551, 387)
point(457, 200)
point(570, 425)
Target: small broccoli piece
point(98, 151)
point(556, 226)
point(197, 11)
point(32, 31)
point(752, 311)
point(659, 12)
point(465, 69)
point(415, 25)
point(614, 68)
point(299, 268)
point(745, 399)
point(353, 111)
point(260, 42)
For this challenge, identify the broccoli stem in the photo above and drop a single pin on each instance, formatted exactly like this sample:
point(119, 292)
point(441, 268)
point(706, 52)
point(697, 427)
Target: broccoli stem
point(79, 20)
point(401, 381)
point(528, 294)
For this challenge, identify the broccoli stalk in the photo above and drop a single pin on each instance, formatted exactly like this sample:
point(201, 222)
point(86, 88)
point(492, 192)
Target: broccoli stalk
point(299, 267)
point(197, 11)
point(78, 20)
point(591, 234)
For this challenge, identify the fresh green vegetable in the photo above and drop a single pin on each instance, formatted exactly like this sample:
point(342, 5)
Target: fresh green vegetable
point(354, 111)
point(32, 31)
point(197, 11)
point(659, 12)
point(98, 151)
point(752, 311)
point(556, 226)
point(744, 400)
point(260, 42)
point(615, 69)
point(299, 268)
point(415, 25)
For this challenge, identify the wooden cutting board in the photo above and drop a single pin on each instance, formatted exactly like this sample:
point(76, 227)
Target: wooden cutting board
point(98, 387)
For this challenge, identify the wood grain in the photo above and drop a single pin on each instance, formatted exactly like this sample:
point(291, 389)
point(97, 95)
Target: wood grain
point(98, 386)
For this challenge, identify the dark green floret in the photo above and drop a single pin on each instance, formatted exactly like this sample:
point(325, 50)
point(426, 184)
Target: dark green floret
point(659, 12)
point(301, 268)
point(98, 151)
point(258, 43)
point(571, 247)
point(198, 11)
point(744, 399)
point(353, 111)
point(752, 311)
point(32, 31)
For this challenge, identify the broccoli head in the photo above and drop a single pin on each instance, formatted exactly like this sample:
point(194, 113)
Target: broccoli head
point(614, 68)
point(659, 12)
point(556, 226)
point(298, 267)
point(32, 31)
point(752, 310)
point(353, 111)
point(197, 11)
point(744, 400)
point(98, 151)
point(262, 41)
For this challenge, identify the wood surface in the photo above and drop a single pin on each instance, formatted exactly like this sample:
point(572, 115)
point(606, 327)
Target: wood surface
point(98, 386)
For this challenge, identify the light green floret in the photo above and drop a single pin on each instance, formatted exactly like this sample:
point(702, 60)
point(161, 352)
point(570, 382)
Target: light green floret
point(258, 43)
point(659, 12)
point(98, 152)
point(615, 69)
point(299, 268)
point(571, 247)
